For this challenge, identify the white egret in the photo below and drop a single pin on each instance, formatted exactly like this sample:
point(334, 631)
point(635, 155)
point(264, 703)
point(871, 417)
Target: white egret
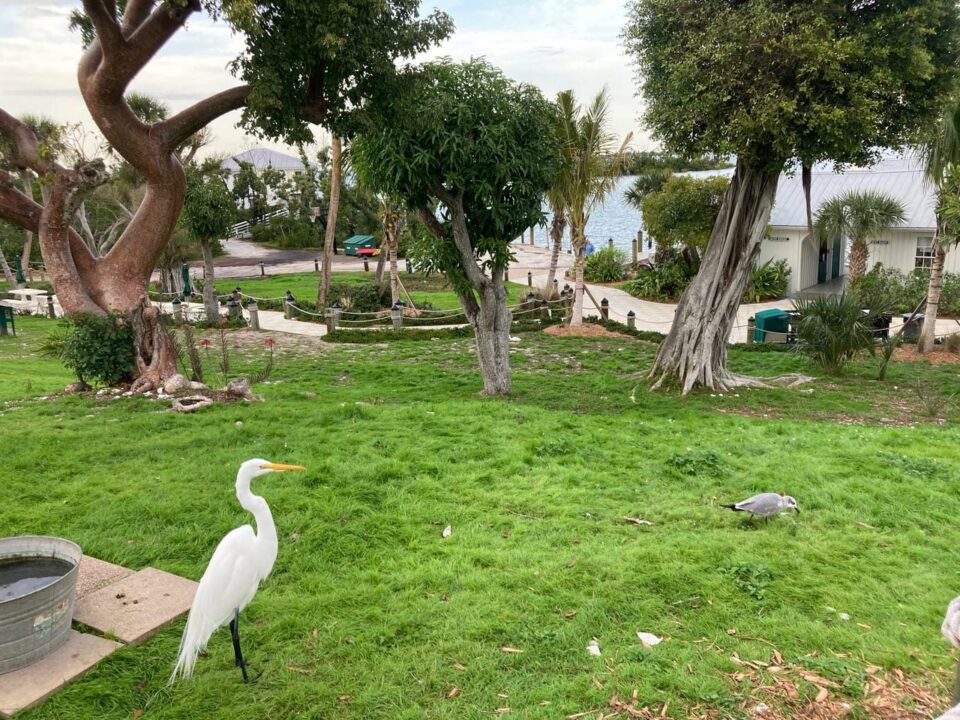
point(242, 559)
point(765, 505)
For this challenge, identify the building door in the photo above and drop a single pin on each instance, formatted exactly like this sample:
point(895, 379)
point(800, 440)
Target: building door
point(837, 257)
point(824, 257)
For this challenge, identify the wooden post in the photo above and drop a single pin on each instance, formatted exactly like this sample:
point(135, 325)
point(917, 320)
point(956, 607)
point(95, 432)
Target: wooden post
point(751, 325)
point(177, 311)
point(506, 273)
point(331, 320)
point(610, 243)
point(366, 264)
point(254, 313)
point(288, 302)
point(632, 320)
point(233, 309)
point(605, 309)
point(316, 264)
point(529, 279)
point(635, 247)
point(262, 272)
point(50, 309)
point(396, 316)
point(336, 315)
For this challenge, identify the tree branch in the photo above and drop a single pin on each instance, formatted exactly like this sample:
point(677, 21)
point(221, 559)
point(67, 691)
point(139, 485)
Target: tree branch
point(25, 145)
point(103, 15)
point(151, 35)
point(185, 123)
point(133, 17)
point(461, 235)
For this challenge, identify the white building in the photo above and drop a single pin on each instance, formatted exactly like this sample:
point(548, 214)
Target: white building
point(262, 159)
point(905, 247)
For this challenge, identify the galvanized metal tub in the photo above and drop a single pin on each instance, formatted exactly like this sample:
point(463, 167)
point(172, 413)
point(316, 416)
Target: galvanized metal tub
point(35, 624)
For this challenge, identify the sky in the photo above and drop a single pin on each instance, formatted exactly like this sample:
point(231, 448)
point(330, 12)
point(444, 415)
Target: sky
point(553, 44)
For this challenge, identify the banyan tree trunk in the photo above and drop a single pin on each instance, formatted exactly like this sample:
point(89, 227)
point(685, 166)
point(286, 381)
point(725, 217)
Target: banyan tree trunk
point(695, 351)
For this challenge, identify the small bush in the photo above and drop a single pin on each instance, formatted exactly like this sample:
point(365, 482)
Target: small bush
point(832, 330)
point(708, 463)
point(607, 265)
point(666, 282)
point(750, 579)
point(100, 348)
point(768, 282)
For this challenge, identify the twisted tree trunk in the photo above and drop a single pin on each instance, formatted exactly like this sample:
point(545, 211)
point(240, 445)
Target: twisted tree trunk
point(8, 275)
point(695, 351)
point(211, 306)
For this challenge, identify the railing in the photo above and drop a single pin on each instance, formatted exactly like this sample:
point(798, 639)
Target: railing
point(242, 229)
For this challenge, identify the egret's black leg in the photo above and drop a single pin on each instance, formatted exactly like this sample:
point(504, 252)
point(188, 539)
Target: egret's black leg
point(237, 652)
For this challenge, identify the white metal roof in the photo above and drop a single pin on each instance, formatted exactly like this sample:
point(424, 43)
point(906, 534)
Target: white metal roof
point(262, 158)
point(900, 177)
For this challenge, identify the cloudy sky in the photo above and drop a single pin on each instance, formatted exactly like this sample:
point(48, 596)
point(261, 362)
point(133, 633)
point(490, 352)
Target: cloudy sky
point(554, 44)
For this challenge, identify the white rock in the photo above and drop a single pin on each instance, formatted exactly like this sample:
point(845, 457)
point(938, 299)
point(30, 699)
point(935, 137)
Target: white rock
point(593, 648)
point(843, 616)
point(761, 709)
point(649, 639)
point(175, 383)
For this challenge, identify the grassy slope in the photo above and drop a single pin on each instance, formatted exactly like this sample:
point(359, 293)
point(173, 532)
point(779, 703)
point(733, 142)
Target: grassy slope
point(368, 601)
point(433, 289)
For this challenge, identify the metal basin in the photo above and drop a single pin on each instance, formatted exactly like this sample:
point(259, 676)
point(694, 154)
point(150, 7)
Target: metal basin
point(38, 582)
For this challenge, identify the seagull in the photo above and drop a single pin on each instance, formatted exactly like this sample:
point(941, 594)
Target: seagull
point(765, 505)
point(951, 624)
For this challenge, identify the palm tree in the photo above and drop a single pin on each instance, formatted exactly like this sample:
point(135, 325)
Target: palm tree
point(859, 215)
point(558, 224)
point(591, 166)
point(941, 159)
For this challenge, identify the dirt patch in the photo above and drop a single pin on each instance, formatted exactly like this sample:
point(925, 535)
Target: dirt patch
point(588, 330)
point(938, 356)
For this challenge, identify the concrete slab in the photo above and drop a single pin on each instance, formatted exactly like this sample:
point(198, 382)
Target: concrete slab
point(136, 607)
point(28, 686)
point(95, 574)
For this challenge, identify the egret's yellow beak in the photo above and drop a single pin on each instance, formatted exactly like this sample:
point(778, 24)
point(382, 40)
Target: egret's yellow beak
point(281, 468)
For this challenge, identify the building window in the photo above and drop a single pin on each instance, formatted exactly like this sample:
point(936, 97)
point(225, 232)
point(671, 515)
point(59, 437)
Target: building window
point(924, 258)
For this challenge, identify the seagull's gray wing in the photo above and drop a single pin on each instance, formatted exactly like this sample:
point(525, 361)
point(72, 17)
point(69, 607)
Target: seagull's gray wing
point(763, 504)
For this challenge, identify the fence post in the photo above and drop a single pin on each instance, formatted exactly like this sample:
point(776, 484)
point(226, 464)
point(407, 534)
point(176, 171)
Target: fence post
point(262, 271)
point(366, 264)
point(177, 311)
point(506, 273)
point(610, 243)
point(288, 302)
point(331, 321)
point(396, 315)
point(236, 293)
point(408, 266)
point(632, 320)
point(254, 313)
point(336, 315)
point(316, 264)
point(635, 247)
point(233, 309)
point(50, 310)
point(605, 309)
point(529, 279)
point(556, 287)
point(751, 325)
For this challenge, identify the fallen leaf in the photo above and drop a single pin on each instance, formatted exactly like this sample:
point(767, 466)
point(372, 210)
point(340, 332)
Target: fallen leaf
point(597, 684)
point(453, 693)
point(294, 536)
point(865, 626)
point(638, 521)
point(138, 713)
point(447, 531)
point(777, 657)
point(315, 633)
point(863, 524)
point(570, 614)
point(444, 597)
point(502, 710)
point(508, 649)
point(649, 639)
point(459, 667)
point(345, 698)
point(822, 695)
point(732, 631)
point(505, 534)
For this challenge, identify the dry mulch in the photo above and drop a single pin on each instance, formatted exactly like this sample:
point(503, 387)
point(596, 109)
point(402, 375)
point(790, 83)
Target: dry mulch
point(587, 330)
point(938, 356)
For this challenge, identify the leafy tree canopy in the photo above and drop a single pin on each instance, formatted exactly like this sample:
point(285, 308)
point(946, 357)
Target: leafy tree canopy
point(684, 210)
point(208, 210)
point(464, 131)
point(773, 80)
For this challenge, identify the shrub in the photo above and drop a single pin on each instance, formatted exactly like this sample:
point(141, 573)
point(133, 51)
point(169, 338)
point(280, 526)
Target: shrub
point(607, 265)
point(359, 297)
point(768, 282)
point(902, 293)
point(832, 330)
point(666, 282)
point(100, 347)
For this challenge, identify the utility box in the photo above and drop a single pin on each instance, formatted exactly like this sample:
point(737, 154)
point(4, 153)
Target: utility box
point(771, 326)
point(358, 242)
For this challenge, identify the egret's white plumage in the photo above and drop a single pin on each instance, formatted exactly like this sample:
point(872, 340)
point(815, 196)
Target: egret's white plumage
point(242, 559)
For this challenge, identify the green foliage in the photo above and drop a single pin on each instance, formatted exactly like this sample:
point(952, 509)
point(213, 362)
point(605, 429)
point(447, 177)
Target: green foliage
point(463, 131)
point(768, 281)
point(99, 347)
point(288, 232)
point(699, 463)
point(208, 210)
point(606, 265)
point(890, 288)
point(684, 211)
point(832, 330)
point(360, 297)
point(249, 191)
point(858, 214)
point(749, 578)
point(338, 57)
point(668, 279)
point(367, 337)
point(772, 80)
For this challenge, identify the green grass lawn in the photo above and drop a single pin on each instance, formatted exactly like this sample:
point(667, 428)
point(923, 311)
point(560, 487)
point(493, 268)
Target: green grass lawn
point(371, 614)
point(422, 288)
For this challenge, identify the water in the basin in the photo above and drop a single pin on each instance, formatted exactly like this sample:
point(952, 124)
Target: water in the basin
point(19, 576)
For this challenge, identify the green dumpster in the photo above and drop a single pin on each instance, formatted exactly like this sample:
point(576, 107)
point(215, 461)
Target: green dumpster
point(358, 242)
point(771, 321)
